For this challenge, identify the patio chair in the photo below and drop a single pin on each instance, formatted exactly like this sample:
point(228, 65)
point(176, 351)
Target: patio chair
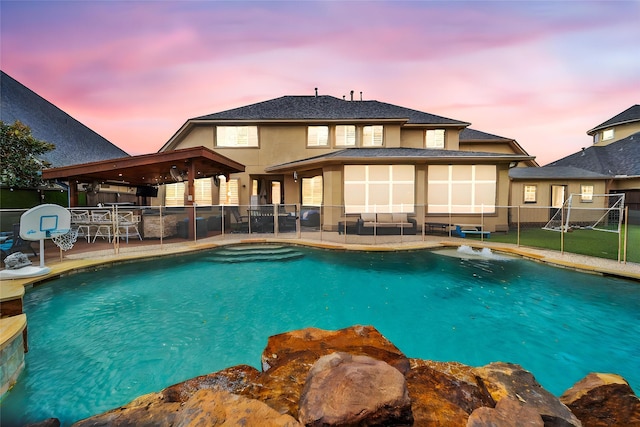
point(103, 223)
point(128, 225)
point(16, 244)
point(241, 224)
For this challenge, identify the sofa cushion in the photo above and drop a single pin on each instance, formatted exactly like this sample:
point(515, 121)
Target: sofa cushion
point(400, 218)
point(368, 217)
point(385, 217)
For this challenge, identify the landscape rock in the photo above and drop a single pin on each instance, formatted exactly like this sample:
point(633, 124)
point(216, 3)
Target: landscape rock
point(509, 380)
point(507, 413)
point(239, 379)
point(355, 376)
point(444, 393)
point(49, 422)
point(16, 260)
point(601, 400)
point(346, 390)
point(288, 357)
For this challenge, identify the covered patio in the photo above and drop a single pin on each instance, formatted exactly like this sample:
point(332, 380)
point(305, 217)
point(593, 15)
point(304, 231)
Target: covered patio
point(148, 171)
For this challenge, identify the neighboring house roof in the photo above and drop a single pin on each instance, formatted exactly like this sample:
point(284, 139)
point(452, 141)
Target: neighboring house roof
point(387, 154)
point(618, 159)
point(555, 172)
point(326, 107)
point(629, 115)
point(75, 143)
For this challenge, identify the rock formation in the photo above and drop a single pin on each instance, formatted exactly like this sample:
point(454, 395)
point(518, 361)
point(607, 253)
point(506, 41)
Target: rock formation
point(356, 377)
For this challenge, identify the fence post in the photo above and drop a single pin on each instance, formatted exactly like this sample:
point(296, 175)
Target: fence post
point(518, 232)
point(562, 230)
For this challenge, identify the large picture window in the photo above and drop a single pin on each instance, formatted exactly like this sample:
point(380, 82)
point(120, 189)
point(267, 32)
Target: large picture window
point(312, 191)
point(373, 136)
point(237, 136)
point(461, 188)
point(174, 193)
point(379, 188)
point(317, 136)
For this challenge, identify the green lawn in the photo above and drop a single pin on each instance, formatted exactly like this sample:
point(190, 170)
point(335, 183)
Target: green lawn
point(586, 242)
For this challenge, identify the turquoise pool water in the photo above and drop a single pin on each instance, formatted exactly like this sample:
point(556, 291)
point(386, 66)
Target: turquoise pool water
point(99, 339)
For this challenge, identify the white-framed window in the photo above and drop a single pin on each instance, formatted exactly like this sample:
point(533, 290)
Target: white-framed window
point(228, 192)
point(312, 191)
point(434, 138)
point(202, 188)
point(530, 193)
point(237, 136)
point(345, 135)
point(373, 136)
point(379, 188)
point(174, 194)
point(317, 136)
point(461, 189)
point(586, 193)
point(607, 134)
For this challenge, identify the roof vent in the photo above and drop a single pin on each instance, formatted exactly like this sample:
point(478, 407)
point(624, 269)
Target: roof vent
point(352, 95)
point(360, 95)
point(316, 92)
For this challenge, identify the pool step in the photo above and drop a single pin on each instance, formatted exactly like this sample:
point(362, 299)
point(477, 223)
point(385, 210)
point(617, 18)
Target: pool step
point(255, 253)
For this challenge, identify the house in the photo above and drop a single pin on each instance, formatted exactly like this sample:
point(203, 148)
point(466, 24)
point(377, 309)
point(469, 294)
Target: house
point(355, 156)
point(75, 143)
point(610, 166)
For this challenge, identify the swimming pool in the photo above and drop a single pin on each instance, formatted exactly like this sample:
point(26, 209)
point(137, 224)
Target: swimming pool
point(99, 339)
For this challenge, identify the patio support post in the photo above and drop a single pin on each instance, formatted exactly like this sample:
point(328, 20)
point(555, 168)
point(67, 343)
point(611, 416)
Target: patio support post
point(191, 211)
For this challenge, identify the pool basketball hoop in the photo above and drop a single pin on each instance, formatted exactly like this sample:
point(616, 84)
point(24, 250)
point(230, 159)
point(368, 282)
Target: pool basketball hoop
point(37, 224)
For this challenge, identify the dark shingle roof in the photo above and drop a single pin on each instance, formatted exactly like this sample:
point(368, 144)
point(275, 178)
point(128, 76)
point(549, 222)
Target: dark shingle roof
point(554, 172)
point(616, 159)
point(629, 115)
point(327, 108)
point(401, 153)
point(75, 143)
point(469, 134)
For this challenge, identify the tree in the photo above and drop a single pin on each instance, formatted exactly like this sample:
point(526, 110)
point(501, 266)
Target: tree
point(19, 151)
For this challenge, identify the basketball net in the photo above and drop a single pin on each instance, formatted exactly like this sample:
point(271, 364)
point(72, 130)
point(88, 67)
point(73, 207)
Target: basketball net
point(66, 241)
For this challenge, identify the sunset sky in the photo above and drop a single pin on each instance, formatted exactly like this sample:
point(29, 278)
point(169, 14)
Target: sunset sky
point(540, 72)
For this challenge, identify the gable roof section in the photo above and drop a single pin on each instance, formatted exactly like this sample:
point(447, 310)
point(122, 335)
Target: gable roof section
point(75, 143)
point(328, 108)
point(416, 155)
point(629, 115)
point(621, 158)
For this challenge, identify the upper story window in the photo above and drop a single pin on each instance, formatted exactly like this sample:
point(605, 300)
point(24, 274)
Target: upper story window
point(372, 136)
point(237, 136)
point(317, 136)
point(607, 134)
point(434, 138)
point(346, 135)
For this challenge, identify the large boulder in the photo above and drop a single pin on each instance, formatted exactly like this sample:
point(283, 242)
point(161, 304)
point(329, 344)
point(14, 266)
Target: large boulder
point(346, 390)
point(16, 261)
point(509, 380)
point(444, 393)
point(288, 357)
point(603, 400)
